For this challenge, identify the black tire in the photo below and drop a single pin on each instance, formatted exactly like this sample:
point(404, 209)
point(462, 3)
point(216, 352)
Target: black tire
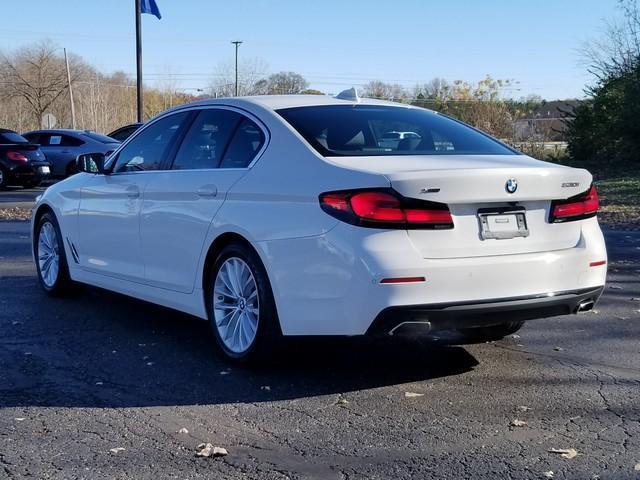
point(493, 332)
point(4, 178)
point(62, 285)
point(268, 333)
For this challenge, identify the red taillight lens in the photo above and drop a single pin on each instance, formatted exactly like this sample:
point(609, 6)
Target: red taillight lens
point(385, 209)
point(581, 206)
point(378, 206)
point(16, 156)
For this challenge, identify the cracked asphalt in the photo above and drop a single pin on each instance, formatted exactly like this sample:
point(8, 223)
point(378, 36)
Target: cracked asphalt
point(85, 375)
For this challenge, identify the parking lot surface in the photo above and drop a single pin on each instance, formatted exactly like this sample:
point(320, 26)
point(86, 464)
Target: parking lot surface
point(100, 385)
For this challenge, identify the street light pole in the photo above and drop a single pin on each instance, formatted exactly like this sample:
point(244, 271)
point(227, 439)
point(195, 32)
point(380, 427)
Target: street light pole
point(237, 43)
point(139, 92)
point(73, 109)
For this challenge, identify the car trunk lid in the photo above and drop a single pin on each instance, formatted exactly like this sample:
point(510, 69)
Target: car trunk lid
point(475, 189)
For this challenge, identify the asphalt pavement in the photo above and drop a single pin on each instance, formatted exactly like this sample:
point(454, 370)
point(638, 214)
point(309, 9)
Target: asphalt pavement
point(99, 386)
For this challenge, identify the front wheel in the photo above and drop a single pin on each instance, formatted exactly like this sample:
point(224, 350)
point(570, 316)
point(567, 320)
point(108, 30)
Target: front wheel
point(240, 304)
point(493, 332)
point(51, 261)
point(4, 178)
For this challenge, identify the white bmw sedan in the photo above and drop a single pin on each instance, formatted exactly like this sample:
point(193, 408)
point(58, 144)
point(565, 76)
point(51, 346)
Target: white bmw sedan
point(286, 215)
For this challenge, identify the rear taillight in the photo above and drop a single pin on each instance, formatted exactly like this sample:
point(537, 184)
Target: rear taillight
point(16, 156)
point(581, 206)
point(384, 208)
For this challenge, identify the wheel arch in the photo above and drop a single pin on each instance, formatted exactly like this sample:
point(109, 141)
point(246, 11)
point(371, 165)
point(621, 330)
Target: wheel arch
point(216, 247)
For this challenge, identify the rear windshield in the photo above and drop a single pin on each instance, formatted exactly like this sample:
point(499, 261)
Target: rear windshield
point(99, 137)
point(12, 137)
point(374, 130)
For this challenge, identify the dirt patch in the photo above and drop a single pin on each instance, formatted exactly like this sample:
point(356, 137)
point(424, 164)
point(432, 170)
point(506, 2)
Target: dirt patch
point(15, 213)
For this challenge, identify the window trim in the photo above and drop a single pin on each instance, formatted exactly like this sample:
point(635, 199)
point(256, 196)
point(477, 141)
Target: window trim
point(188, 123)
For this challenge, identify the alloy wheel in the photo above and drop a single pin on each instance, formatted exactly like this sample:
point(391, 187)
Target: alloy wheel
point(48, 254)
point(236, 305)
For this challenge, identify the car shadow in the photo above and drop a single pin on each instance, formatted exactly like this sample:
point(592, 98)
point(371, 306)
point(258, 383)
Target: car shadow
point(101, 349)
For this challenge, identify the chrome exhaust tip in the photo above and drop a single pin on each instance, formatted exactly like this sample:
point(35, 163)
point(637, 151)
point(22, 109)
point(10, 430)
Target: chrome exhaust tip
point(585, 306)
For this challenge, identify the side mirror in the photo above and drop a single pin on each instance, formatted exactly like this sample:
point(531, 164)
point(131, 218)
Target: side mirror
point(90, 162)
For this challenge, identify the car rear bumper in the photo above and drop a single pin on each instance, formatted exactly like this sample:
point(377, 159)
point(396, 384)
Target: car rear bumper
point(335, 284)
point(31, 171)
point(412, 319)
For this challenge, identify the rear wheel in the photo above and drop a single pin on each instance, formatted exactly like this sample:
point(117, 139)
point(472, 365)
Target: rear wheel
point(494, 332)
point(240, 304)
point(51, 260)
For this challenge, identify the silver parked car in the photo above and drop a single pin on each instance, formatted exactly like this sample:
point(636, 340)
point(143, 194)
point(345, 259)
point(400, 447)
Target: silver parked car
point(62, 147)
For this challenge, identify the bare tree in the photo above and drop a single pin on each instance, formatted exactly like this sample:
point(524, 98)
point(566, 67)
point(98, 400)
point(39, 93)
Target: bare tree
point(384, 90)
point(37, 76)
point(250, 72)
point(618, 48)
point(285, 83)
point(435, 89)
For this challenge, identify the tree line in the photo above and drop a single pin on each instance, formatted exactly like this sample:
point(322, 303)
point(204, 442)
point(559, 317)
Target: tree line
point(33, 81)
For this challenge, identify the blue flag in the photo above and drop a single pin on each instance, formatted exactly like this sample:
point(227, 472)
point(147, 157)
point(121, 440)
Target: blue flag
point(150, 6)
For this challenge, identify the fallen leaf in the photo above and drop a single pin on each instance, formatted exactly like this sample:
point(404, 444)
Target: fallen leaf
point(342, 401)
point(183, 430)
point(413, 394)
point(565, 452)
point(117, 449)
point(208, 450)
point(548, 474)
point(518, 423)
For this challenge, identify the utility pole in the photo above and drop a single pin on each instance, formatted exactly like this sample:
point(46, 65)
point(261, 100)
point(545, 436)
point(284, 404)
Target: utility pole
point(139, 59)
point(237, 43)
point(73, 109)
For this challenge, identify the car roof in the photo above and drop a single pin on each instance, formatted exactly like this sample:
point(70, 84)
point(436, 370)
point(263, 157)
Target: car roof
point(66, 131)
point(276, 102)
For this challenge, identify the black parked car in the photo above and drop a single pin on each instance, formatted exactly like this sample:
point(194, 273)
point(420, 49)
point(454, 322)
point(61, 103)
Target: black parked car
point(62, 146)
point(21, 162)
point(122, 133)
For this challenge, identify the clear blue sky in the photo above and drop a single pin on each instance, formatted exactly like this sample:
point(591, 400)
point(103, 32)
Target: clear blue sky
point(334, 44)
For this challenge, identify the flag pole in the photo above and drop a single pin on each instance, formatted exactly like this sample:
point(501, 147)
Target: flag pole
point(139, 59)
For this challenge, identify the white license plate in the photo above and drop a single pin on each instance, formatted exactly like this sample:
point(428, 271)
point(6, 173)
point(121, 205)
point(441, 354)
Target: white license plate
point(44, 170)
point(503, 225)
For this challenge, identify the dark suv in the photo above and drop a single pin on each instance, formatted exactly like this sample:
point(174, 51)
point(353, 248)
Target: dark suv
point(21, 162)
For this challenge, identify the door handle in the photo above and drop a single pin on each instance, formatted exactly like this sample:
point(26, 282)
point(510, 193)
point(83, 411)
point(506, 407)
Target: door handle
point(133, 191)
point(208, 191)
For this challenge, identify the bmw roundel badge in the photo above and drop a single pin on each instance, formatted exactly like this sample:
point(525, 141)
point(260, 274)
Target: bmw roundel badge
point(511, 186)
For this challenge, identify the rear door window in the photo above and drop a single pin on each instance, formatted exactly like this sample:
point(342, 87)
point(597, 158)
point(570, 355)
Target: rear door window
point(245, 145)
point(205, 143)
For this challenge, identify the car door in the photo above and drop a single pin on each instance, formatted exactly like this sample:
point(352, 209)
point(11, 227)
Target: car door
point(179, 204)
point(109, 214)
point(60, 150)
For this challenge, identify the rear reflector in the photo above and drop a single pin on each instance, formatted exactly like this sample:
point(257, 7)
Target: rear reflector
point(403, 280)
point(385, 208)
point(598, 263)
point(581, 206)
